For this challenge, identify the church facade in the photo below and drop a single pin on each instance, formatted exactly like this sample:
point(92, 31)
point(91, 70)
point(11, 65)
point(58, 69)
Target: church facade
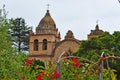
point(46, 44)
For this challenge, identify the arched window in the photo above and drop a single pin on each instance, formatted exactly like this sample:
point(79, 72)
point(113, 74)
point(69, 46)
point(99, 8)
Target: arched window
point(44, 46)
point(35, 45)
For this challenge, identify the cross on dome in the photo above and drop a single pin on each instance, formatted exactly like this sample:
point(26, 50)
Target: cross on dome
point(97, 21)
point(48, 5)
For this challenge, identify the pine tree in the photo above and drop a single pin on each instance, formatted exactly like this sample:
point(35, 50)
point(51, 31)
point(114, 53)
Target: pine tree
point(19, 31)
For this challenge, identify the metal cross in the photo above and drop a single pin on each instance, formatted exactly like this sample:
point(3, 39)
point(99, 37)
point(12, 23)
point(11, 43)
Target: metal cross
point(119, 1)
point(97, 21)
point(48, 6)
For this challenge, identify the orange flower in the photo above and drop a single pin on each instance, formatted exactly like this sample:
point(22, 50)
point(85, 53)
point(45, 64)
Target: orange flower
point(23, 77)
point(102, 58)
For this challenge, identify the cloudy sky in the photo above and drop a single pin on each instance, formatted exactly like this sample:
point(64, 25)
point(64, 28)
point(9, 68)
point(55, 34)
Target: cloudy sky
point(80, 16)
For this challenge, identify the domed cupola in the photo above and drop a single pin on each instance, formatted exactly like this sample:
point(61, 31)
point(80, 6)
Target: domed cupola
point(47, 22)
point(69, 35)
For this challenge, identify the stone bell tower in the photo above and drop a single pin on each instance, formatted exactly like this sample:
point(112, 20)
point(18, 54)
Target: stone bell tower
point(46, 36)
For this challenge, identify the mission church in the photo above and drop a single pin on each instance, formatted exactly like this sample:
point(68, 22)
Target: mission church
point(46, 44)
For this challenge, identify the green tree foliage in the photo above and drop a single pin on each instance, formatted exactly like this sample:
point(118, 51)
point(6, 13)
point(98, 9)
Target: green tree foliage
point(108, 43)
point(37, 65)
point(5, 45)
point(3, 14)
point(116, 35)
point(19, 31)
point(5, 40)
point(10, 63)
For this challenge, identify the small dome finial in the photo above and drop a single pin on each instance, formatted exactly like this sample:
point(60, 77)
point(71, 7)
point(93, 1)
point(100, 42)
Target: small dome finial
point(46, 22)
point(69, 35)
point(97, 27)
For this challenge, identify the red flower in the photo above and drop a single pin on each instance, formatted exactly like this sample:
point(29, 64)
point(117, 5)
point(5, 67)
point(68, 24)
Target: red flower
point(56, 74)
point(42, 73)
point(39, 77)
point(76, 63)
point(102, 58)
point(28, 62)
point(51, 78)
point(74, 60)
